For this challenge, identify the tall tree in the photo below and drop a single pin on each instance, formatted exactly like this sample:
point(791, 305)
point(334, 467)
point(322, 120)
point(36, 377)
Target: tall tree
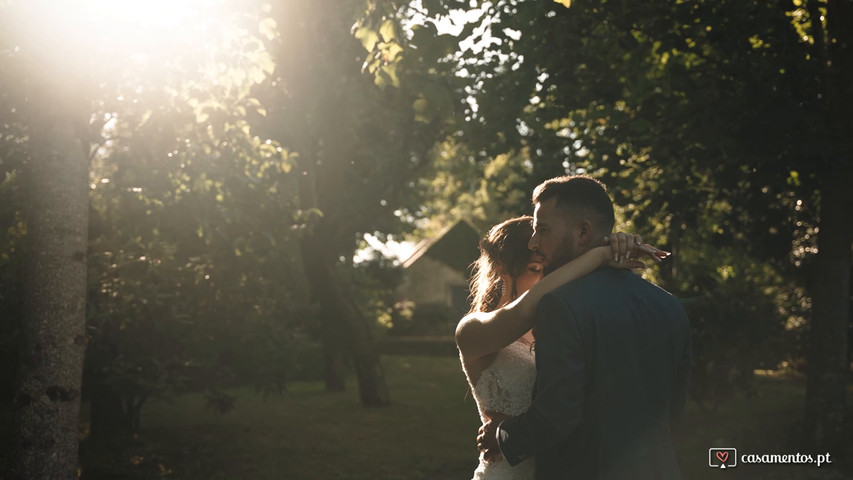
point(53, 341)
point(829, 366)
point(360, 144)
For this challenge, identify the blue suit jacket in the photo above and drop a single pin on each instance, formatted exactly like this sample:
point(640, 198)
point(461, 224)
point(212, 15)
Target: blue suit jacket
point(612, 363)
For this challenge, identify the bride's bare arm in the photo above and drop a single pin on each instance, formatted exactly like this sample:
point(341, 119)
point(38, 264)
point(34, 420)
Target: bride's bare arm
point(482, 333)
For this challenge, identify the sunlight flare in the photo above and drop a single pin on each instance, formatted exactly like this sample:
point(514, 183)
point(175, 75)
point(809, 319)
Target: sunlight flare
point(137, 23)
point(73, 34)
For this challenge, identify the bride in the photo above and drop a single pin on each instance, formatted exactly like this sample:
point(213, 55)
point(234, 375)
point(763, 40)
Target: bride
point(495, 339)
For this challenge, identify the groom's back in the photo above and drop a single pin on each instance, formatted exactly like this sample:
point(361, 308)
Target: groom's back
point(635, 338)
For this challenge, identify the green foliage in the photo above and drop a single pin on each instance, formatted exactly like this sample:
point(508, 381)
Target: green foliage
point(463, 184)
point(193, 283)
point(736, 326)
point(361, 146)
point(424, 320)
point(358, 148)
point(375, 281)
point(197, 165)
point(13, 156)
point(706, 121)
point(317, 122)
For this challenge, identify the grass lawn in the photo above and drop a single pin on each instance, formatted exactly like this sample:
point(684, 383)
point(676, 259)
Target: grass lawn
point(765, 424)
point(427, 434)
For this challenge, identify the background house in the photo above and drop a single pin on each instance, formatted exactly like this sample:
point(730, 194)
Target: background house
point(436, 277)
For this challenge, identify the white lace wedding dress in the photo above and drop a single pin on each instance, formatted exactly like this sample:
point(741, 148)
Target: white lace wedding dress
point(506, 387)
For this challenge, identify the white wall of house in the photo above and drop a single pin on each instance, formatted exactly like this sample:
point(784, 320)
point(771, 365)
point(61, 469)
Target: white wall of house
point(429, 281)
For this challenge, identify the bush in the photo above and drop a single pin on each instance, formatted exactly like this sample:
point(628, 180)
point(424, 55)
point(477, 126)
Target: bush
point(428, 319)
point(735, 332)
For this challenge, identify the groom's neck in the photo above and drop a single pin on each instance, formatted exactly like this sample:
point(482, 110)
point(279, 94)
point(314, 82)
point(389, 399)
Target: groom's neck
point(597, 241)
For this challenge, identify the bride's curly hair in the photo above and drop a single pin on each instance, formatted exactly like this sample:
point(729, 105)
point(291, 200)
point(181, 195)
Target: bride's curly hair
point(502, 250)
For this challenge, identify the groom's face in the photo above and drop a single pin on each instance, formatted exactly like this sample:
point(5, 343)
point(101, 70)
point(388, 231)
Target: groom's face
point(553, 235)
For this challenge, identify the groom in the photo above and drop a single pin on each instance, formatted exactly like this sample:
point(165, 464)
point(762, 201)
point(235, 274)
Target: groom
point(612, 357)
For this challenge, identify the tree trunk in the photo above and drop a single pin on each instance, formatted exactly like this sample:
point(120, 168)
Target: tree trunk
point(345, 327)
point(334, 374)
point(107, 420)
point(362, 347)
point(333, 348)
point(331, 336)
point(359, 342)
point(828, 364)
point(113, 418)
point(47, 392)
point(828, 367)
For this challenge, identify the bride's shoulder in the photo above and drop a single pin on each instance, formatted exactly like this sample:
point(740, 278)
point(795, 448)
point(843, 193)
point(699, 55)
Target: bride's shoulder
point(464, 325)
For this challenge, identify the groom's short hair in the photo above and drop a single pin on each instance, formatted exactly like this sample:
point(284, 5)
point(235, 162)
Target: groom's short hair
point(579, 193)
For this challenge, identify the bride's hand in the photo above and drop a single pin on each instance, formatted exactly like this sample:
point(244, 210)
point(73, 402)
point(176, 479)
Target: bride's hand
point(627, 248)
point(487, 441)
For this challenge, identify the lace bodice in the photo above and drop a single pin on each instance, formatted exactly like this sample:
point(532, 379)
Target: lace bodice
point(506, 387)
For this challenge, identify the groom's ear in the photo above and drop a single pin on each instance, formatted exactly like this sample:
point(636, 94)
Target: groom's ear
point(585, 233)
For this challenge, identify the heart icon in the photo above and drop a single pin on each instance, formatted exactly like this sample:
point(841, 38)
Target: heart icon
point(723, 456)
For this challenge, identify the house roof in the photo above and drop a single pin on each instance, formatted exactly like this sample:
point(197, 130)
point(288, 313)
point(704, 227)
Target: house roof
point(457, 246)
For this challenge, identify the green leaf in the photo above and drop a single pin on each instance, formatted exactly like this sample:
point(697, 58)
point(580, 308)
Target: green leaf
point(391, 72)
point(391, 53)
point(387, 75)
point(145, 117)
point(266, 63)
point(268, 28)
point(368, 38)
point(794, 178)
point(421, 106)
point(387, 30)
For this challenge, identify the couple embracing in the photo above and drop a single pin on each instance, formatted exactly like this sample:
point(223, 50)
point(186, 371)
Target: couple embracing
point(578, 365)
